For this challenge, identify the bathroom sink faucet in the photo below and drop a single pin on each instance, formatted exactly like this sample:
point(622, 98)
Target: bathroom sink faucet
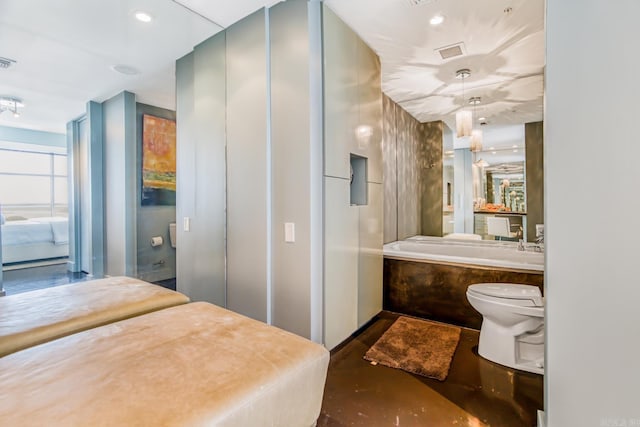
point(536, 248)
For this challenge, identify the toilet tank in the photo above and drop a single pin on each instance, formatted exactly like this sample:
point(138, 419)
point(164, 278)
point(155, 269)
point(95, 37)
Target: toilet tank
point(172, 234)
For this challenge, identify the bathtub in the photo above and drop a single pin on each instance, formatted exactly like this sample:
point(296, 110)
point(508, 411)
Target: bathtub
point(428, 277)
point(483, 253)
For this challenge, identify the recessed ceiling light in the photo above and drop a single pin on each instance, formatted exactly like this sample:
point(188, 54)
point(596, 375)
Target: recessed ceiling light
point(515, 151)
point(514, 146)
point(492, 148)
point(493, 152)
point(436, 20)
point(125, 69)
point(482, 119)
point(143, 16)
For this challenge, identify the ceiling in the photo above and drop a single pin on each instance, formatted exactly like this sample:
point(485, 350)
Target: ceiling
point(503, 48)
point(65, 51)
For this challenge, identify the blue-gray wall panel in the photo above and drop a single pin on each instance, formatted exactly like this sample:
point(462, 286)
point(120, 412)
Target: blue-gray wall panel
point(201, 94)
point(247, 179)
point(120, 154)
point(291, 157)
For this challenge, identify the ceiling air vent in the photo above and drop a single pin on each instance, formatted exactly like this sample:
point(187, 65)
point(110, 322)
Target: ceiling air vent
point(6, 62)
point(451, 51)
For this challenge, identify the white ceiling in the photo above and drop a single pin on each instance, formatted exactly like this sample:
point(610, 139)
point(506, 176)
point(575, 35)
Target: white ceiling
point(65, 50)
point(504, 51)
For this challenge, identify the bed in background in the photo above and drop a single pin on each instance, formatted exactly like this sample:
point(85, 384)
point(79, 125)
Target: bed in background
point(34, 239)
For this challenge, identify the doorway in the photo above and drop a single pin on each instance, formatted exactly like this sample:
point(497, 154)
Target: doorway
point(34, 211)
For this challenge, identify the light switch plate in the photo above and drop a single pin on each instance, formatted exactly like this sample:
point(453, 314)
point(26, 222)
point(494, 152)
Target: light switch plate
point(289, 232)
point(186, 223)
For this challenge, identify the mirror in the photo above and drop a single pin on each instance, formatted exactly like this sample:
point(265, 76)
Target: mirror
point(490, 183)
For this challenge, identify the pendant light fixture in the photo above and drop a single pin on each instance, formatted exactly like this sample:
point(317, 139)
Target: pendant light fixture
point(464, 120)
point(476, 134)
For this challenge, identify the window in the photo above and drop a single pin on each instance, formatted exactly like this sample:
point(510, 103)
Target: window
point(33, 181)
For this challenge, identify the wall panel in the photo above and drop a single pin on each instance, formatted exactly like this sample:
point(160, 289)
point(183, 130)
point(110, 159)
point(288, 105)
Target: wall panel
point(342, 248)
point(201, 117)
point(291, 111)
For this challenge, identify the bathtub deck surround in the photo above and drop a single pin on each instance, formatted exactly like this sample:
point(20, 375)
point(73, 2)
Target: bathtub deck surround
point(433, 285)
point(484, 253)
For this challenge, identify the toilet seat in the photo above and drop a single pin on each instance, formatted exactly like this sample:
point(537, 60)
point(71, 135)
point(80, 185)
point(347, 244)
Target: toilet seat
point(524, 307)
point(508, 293)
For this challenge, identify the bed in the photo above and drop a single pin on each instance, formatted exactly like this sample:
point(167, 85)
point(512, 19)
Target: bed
point(35, 239)
point(31, 318)
point(190, 365)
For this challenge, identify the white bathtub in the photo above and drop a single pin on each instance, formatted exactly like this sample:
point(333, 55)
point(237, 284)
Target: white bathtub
point(483, 253)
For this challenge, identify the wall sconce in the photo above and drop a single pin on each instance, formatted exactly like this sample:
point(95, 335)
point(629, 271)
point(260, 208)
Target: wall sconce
point(464, 120)
point(11, 104)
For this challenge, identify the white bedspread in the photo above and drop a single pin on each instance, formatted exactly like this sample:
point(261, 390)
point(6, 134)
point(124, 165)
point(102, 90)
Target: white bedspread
point(36, 230)
point(60, 231)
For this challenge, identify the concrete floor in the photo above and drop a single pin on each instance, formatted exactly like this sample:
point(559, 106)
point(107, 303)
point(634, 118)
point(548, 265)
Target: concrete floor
point(476, 392)
point(20, 280)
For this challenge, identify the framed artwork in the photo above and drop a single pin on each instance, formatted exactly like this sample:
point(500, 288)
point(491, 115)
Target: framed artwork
point(158, 161)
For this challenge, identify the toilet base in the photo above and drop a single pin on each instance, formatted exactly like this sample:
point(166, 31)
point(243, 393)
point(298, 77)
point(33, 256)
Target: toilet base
point(514, 347)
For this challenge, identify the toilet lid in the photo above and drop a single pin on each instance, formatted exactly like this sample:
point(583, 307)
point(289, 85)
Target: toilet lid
point(509, 291)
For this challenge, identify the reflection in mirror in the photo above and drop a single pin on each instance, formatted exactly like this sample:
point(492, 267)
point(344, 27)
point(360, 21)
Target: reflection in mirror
point(499, 191)
point(447, 186)
point(494, 183)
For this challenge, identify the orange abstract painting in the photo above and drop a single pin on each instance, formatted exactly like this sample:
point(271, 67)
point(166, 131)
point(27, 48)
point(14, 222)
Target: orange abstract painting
point(158, 161)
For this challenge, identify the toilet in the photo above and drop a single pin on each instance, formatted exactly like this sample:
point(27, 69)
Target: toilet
point(512, 332)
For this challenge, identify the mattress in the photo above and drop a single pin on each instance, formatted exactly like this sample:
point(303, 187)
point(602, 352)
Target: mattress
point(36, 230)
point(31, 318)
point(190, 365)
